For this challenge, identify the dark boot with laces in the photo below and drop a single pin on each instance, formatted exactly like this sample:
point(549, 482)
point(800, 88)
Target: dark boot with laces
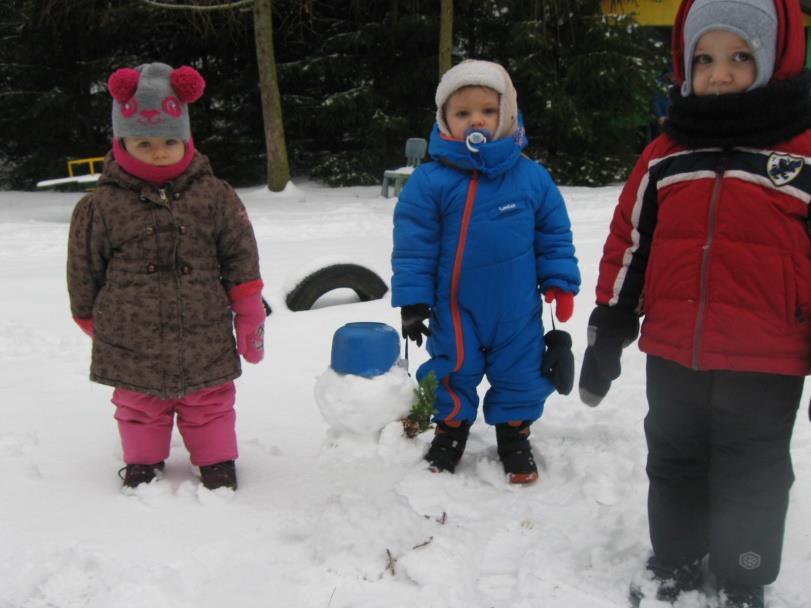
point(669, 581)
point(516, 453)
point(219, 475)
point(447, 446)
point(742, 596)
point(136, 474)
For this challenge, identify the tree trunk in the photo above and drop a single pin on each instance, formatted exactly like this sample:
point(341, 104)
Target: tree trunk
point(445, 36)
point(278, 168)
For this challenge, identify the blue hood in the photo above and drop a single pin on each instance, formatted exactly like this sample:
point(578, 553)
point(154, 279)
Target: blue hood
point(493, 158)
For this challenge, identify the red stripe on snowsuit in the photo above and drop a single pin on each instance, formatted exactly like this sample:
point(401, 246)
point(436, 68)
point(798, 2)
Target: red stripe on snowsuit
point(457, 271)
point(457, 403)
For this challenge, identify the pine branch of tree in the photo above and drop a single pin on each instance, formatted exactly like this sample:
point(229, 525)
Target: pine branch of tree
point(422, 409)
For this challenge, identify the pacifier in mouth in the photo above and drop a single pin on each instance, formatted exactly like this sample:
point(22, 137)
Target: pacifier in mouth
point(475, 138)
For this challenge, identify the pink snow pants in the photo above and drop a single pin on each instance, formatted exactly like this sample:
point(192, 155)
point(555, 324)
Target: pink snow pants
point(205, 419)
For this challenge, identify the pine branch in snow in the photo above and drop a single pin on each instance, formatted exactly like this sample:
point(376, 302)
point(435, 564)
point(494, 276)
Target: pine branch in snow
point(419, 417)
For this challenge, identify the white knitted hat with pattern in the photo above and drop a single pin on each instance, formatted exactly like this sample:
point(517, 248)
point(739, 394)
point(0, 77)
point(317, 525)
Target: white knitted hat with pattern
point(478, 73)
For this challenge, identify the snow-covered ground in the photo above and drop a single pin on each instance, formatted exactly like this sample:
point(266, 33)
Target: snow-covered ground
point(323, 518)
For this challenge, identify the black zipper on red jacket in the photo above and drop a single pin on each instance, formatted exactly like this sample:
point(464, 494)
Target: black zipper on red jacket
point(720, 169)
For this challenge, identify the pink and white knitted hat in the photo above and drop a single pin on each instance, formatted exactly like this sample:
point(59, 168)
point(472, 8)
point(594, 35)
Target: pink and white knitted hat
point(152, 100)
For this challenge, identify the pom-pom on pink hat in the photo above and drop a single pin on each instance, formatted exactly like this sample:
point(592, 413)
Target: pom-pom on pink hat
point(152, 100)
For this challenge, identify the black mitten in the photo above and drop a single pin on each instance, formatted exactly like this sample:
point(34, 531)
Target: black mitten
point(558, 360)
point(413, 317)
point(610, 330)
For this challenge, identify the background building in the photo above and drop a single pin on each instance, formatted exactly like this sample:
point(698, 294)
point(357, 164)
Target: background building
point(661, 13)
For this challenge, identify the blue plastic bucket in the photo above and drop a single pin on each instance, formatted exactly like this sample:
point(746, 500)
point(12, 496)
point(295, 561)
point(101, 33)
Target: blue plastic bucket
point(365, 349)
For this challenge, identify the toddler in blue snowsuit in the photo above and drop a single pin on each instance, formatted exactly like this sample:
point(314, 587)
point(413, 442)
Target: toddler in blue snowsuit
point(479, 235)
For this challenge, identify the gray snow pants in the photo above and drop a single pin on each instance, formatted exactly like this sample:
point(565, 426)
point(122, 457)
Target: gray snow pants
point(719, 467)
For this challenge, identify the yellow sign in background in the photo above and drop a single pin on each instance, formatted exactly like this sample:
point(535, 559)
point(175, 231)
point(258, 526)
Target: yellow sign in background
point(651, 12)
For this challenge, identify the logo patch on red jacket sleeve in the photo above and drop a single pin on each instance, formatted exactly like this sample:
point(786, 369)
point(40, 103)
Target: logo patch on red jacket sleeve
point(783, 168)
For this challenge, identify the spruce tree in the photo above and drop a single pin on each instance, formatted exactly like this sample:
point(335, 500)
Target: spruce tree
point(356, 83)
point(54, 63)
point(357, 78)
point(584, 80)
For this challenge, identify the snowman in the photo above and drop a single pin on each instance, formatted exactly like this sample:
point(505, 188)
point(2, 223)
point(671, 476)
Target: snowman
point(367, 387)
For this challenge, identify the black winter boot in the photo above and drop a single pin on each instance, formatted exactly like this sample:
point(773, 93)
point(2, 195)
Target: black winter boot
point(742, 596)
point(516, 453)
point(136, 474)
point(219, 475)
point(447, 446)
point(669, 581)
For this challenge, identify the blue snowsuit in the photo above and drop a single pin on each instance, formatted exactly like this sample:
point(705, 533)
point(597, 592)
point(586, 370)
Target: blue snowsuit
point(479, 237)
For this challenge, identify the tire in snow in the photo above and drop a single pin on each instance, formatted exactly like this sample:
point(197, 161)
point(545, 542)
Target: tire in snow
point(365, 283)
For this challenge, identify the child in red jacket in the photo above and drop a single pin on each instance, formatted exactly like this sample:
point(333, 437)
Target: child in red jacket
point(710, 243)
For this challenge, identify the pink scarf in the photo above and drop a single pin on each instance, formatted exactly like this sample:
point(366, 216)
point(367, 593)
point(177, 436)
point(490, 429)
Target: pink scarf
point(153, 174)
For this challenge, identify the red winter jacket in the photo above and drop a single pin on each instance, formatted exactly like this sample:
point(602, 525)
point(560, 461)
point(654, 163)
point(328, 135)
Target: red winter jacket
point(713, 246)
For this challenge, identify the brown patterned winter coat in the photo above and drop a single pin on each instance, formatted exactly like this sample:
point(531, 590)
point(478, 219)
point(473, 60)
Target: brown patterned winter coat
point(152, 268)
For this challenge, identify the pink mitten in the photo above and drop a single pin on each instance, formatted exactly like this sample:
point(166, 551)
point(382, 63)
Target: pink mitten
point(86, 325)
point(249, 320)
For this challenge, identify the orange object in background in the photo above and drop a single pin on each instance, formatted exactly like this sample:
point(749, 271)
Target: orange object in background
point(663, 12)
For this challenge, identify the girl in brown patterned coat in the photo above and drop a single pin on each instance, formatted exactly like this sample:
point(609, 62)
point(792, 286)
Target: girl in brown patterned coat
point(162, 267)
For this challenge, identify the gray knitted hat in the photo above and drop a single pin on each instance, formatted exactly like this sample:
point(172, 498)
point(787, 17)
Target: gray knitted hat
point(152, 100)
point(755, 21)
point(472, 73)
